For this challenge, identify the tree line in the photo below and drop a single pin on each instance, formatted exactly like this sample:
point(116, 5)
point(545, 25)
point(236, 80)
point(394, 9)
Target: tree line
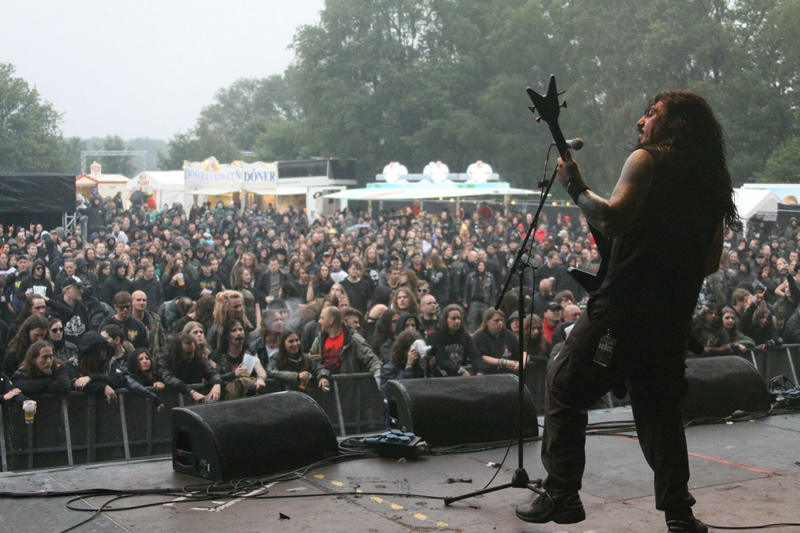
point(424, 80)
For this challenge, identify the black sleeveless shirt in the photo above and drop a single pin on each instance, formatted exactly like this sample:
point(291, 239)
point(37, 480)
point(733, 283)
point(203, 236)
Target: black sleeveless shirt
point(656, 267)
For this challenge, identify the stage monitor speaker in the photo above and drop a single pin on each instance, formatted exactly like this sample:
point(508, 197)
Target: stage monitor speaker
point(450, 411)
point(250, 437)
point(718, 386)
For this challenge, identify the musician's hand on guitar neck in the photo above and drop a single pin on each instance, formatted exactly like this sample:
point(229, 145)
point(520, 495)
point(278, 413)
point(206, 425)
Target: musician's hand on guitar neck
point(567, 169)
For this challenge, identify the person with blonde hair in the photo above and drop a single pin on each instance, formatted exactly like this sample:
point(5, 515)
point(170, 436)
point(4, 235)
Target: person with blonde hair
point(229, 304)
point(198, 333)
point(405, 299)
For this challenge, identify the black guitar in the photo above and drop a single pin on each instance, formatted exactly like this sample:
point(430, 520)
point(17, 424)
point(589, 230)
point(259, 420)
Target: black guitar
point(549, 109)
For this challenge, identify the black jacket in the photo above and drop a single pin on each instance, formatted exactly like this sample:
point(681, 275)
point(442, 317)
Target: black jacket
point(58, 383)
point(185, 374)
point(153, 290)
point(75, 319)
point(115, 284)
point(98, 380)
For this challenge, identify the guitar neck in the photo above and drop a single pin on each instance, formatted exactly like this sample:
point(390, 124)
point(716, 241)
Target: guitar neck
point(558, 137)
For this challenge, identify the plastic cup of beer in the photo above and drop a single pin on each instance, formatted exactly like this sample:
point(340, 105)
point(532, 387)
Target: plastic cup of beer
point(29, 406)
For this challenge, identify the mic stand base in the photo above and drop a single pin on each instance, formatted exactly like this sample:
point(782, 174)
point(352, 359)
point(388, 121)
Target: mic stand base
point(519, 480)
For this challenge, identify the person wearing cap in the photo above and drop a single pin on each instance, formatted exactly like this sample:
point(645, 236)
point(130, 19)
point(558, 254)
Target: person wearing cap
point(70, 309)
point(569, 315)
point(551, 320)
point(91, 373)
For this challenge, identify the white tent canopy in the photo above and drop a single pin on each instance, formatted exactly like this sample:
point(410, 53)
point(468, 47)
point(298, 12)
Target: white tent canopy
point(167, 186)
point(756, 202)
point(424, 192)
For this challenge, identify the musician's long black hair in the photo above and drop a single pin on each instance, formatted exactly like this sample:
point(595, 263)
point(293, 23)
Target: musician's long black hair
point(692, 129)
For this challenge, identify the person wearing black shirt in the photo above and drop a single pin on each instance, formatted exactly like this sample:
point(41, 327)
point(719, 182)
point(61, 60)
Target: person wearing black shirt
point(135, 332)
point(207, 282)
point(455, 349)
point(677, 172)
point(357, 287)
point(496, 344)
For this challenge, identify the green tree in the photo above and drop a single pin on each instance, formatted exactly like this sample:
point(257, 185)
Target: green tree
point(420, 80)
point(116, 163)
point(198, 144)
point(30, 139)
point(246, 109)
point(783, 166)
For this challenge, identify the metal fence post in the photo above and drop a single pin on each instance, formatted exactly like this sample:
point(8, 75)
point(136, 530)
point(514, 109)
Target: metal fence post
point(67, 431)
point(342, 431)
point(123, 422)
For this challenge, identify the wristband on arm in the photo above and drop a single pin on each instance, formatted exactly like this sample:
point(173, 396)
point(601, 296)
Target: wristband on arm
point(575, 188)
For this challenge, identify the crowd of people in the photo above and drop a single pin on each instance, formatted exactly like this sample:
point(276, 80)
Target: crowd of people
point(150, 299)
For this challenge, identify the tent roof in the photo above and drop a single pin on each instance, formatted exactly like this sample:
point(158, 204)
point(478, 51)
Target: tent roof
point(750, 202)
point(427, 191)
point(784, 191)
point(89, 179)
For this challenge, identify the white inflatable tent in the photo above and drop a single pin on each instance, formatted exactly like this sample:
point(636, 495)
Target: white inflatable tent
point(756, 202)
point(166, 186)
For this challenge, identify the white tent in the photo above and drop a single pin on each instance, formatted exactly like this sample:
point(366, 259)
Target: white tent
point(788, 193)
point(166, 186)
point(429, 191)
point(756, 202)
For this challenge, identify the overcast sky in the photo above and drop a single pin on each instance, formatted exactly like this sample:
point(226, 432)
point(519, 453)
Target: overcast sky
point(145, 68)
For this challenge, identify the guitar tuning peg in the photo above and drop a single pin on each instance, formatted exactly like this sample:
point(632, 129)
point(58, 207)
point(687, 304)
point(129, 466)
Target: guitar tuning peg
point(537, 119)
point(563, 104)
point(532, 108)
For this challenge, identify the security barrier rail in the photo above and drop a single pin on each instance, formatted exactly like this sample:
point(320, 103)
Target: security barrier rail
point(79, 428)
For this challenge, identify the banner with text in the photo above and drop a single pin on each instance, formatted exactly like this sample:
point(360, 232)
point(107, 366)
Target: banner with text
point(209, 174)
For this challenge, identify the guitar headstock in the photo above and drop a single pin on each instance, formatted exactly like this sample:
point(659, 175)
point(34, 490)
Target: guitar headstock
point(547, 106)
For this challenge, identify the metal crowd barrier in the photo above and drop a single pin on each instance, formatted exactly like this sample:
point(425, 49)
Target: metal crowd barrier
point(79, 428)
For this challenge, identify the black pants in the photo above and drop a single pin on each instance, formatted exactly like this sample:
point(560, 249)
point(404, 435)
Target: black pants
point(656, 385)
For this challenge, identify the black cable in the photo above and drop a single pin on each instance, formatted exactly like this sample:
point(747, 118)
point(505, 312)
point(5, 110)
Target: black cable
point(764, 526)
point(353, 448)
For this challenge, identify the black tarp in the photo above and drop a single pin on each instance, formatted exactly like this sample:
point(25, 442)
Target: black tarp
point(27, 198)
point(39, 193)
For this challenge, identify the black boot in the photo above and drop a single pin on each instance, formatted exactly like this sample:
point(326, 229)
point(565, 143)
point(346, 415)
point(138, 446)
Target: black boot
point(561, 508)
point(688, 524)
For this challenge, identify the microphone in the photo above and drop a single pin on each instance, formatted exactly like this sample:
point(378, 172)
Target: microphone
point(573, 144)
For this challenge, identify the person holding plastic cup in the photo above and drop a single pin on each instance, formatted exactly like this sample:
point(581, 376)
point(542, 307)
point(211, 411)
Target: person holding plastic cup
point(41, 372)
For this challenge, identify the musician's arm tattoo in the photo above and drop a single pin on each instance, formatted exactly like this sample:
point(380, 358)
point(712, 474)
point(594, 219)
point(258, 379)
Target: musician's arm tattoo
point(614, 216)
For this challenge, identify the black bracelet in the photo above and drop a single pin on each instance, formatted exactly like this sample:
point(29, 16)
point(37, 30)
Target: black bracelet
point(575, 188)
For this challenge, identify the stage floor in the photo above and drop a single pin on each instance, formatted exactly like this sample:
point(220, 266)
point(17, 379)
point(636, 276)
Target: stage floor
point(743, 474)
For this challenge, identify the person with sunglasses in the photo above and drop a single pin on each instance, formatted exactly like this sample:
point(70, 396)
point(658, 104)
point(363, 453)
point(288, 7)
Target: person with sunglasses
point(134, 330)
point(36, 283)
point(62, 348)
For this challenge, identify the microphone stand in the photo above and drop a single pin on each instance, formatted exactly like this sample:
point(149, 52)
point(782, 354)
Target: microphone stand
point(520, 479)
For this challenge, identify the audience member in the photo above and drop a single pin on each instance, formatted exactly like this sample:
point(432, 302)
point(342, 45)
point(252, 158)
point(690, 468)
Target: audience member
point(41, 372)
point(295, 369)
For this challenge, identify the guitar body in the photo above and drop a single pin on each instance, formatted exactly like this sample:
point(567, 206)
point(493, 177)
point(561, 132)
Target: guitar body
point(549, 109)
